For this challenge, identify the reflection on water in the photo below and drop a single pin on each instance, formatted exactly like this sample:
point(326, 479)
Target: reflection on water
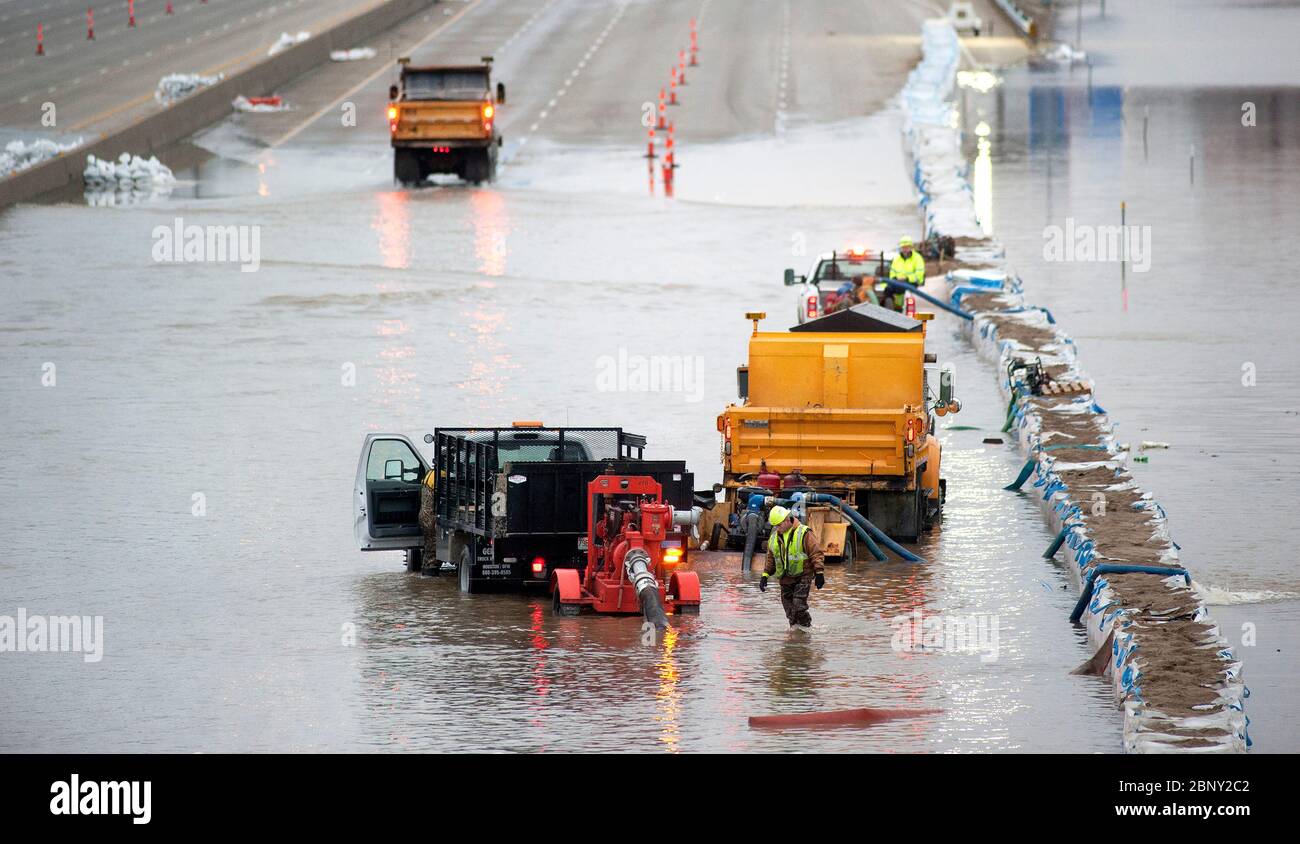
point(668, 695)
point(982, 178)
point(392, 221)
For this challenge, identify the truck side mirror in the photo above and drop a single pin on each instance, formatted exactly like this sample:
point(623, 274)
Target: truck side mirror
point(501, 93)
point(742, 382)
point(947, 385)
point(789, 277)
point(392, 93)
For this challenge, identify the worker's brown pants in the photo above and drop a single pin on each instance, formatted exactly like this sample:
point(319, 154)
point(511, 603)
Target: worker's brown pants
point(794, 600)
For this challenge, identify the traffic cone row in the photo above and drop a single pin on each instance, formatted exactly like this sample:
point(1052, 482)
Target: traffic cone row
point(667, 97)
point(90, 24)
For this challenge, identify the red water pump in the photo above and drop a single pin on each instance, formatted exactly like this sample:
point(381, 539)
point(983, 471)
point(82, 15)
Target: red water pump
point(636, 545)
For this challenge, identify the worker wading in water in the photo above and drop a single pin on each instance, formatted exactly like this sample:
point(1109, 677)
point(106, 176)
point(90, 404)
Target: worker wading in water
point(908, 266)
point(795, 558)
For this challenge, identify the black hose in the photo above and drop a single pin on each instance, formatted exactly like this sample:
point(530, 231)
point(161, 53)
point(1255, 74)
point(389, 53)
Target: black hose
point(652, 608)
point(750, 520)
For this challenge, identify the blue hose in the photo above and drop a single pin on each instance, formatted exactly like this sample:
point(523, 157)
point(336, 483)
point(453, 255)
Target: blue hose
point(939, 303)
point(1110, 568)
point(857, 528)
point(872, 529)
point(1025, 472)
point(1057, 542)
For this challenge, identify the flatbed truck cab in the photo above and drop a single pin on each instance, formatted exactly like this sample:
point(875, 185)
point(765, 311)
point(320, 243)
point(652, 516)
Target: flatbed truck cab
point(443, 119)
point(505, 506)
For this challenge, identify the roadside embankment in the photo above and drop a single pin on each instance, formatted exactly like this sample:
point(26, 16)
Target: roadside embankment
point(1176, 678)
point(210, 104)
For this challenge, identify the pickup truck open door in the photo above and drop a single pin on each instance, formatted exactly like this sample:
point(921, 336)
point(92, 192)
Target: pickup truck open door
point(386, 495)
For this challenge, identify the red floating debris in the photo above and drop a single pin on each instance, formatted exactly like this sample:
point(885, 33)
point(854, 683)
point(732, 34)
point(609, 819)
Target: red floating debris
point(838, 718)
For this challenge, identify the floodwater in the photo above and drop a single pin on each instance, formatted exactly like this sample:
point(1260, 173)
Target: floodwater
point(1192, 344)
point(187, 474)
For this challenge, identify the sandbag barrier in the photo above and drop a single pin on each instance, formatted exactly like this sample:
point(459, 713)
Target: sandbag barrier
point(1176, 678)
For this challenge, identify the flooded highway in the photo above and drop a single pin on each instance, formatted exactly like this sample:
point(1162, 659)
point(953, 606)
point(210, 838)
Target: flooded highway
point(181, 437)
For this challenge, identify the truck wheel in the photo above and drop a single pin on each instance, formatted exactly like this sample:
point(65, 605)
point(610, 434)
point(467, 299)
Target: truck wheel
point(564, 610)
point(406, 167)
point(414, 560)
point(478, 168)
point(466, 584)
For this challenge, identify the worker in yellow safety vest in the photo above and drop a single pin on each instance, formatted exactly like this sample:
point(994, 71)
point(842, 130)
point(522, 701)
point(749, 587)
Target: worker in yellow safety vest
point(796, 559)
point(909, 266)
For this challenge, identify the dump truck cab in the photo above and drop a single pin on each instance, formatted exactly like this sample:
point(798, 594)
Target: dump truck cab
point(831, 278)
point(842, 405)
point(443, 119)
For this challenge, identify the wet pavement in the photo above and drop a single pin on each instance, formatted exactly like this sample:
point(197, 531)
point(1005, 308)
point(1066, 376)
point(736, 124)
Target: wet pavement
point(188, 476)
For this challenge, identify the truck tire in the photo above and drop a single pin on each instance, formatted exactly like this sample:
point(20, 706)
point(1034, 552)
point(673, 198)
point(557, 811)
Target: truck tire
point(406, 166)
point(463, 570)
point(715, 538)
point(479, 167)
point(414, 560)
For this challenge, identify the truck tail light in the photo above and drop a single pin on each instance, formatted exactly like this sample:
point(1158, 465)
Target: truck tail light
point(539, 566)
point(910, 308)
point(811, 310)
point(392, 113)
point(912, 425)
point(488, 112)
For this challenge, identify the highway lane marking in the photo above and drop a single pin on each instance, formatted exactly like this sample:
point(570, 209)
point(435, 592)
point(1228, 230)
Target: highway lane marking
point(565, 87)
point(292, 133)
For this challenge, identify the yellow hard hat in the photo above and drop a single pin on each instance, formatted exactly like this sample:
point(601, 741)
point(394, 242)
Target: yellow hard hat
point(904, 241)
point(777, 515)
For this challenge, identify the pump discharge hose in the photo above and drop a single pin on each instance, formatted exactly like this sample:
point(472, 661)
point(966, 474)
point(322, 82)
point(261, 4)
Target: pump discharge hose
point(749, 521)
point(637, 566)
point(858, 518)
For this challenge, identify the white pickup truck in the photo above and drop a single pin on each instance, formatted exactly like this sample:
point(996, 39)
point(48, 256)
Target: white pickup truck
point(832, 273)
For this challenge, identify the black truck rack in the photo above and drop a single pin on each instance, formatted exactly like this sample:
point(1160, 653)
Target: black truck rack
point(500, 482)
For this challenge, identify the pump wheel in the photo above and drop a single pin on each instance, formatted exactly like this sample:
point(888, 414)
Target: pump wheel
point(562, 609)
point(850, 547)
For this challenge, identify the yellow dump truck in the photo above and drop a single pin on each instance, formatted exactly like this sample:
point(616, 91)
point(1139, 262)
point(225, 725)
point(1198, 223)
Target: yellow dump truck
point(442, 119)
point(842, 405)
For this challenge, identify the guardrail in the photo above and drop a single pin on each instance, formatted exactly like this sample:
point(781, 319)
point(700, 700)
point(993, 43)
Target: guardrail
point(208, 105)
point(1019, 17)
